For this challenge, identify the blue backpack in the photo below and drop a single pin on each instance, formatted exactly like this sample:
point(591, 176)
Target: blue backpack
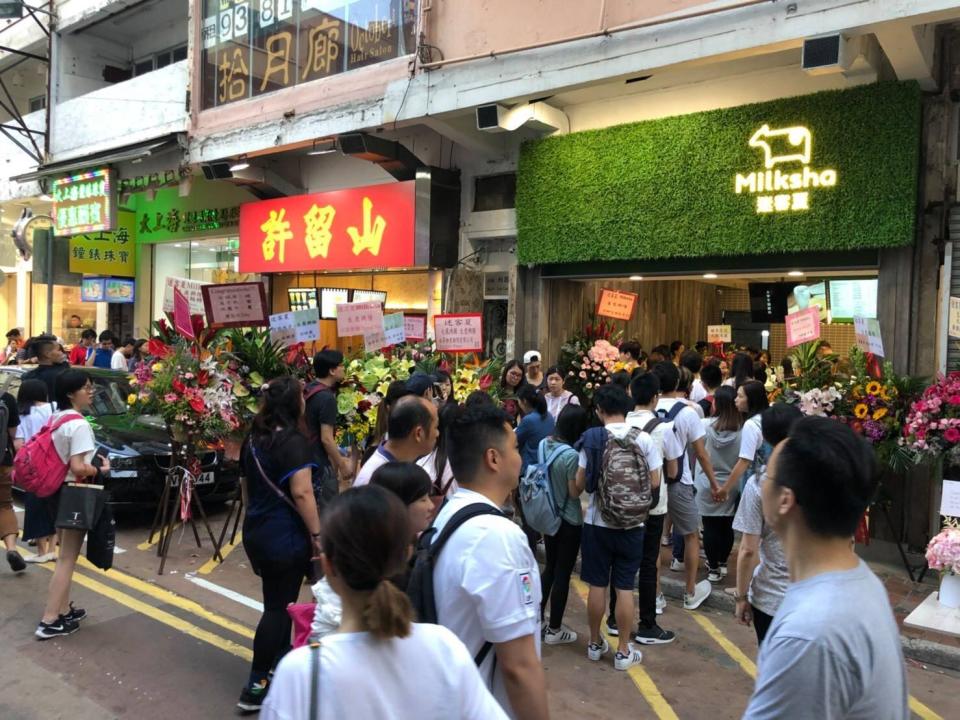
point(539, 505)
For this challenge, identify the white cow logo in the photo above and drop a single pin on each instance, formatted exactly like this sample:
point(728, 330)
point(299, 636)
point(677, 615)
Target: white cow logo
point(785, 145)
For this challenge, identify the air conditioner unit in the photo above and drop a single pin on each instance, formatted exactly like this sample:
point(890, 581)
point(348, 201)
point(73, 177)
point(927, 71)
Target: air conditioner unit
point(826, 54)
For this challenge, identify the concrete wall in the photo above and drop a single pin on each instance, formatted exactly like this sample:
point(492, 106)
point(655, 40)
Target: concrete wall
point(137, 110)
point(14, 161)
point(80, 61)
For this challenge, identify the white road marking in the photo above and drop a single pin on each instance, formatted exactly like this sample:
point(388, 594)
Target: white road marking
point(225, 592)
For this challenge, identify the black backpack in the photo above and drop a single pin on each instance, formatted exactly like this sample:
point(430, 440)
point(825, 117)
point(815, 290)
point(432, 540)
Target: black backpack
point(420, 586)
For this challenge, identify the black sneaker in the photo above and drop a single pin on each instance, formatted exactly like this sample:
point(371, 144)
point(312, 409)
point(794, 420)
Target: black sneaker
point(17, 563)
point(252, 697)
point(612, 630)
point(60, 627)
point(655, 635)
point(76, 614)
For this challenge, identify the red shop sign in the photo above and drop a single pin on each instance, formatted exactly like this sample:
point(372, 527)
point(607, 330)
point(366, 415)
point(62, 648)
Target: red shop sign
point(356, 229)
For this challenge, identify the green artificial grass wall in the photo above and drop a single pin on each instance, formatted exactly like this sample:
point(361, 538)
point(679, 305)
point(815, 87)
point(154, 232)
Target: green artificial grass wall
point(666, 188)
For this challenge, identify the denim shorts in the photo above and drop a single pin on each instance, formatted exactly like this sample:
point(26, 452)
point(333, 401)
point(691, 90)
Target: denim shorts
point(603, 550)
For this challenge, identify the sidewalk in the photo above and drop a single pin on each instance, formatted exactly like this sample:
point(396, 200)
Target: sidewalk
point(922, 646)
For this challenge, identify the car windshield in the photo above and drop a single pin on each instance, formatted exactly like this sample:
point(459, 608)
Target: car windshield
point(110, 397)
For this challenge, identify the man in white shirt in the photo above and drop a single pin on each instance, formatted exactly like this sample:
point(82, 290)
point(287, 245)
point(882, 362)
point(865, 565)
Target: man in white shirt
point(607, 549)
point(121, 357)
point(486, 582)
point(645, 391)
point(412, 431)
point(682, 504)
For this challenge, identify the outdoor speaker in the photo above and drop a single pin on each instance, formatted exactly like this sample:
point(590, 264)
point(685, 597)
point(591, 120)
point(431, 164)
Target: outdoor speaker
point(217, 171)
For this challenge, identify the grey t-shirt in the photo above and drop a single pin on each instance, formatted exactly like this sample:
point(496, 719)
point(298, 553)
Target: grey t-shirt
point(833, 651)
point(770, 577)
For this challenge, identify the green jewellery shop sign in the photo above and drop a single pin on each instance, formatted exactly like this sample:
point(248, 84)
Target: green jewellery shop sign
point(835, 170)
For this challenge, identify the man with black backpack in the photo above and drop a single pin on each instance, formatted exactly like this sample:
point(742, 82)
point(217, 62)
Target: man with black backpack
point(619, 468)
point(320, 398)
point(474, 571)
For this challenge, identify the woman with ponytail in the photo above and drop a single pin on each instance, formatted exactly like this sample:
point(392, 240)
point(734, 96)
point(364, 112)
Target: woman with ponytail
point(379, 663)
point(281, 526)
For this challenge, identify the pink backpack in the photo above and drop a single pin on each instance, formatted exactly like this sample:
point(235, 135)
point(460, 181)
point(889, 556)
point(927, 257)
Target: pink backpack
point(37, 467)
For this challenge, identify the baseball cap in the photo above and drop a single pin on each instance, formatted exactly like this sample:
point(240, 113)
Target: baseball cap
point(531, 356)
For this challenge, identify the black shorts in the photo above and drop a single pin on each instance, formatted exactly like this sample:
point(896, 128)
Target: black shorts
point(603, 550)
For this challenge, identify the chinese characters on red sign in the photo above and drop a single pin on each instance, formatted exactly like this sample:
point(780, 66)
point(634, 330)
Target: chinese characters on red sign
point(415, 327)
point(616, 304)
point(235, 305)
point(461, 332)
point(360, 228)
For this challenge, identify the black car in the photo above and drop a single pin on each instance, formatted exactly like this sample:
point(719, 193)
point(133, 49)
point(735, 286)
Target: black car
point(139, 447)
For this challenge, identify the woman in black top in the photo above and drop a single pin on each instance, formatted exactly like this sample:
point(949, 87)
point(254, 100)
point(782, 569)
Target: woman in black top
point(281, 528)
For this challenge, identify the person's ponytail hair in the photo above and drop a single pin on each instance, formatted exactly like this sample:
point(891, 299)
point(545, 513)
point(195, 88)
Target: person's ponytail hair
point(536, 401)
point(366, 535)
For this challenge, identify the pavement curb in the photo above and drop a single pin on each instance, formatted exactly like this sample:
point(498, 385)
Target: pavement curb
point(923, 651)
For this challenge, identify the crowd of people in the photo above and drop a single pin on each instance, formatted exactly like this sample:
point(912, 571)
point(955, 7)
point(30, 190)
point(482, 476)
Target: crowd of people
point(424, 552)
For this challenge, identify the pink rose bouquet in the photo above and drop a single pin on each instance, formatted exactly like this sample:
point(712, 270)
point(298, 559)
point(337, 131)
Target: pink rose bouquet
point(943, 552)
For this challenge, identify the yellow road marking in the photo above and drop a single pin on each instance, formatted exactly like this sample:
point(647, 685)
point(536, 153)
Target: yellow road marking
point(643, 681)
point(922, 710)
point(728, 647)
point(750, 668)
point(170, 598)
point(209, 566)
point(161, 616)
point(147, 544)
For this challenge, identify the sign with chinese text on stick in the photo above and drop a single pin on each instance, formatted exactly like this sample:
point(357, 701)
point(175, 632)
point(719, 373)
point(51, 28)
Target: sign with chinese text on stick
point(84, 203)
point(803, 326)
point(375, 340)
point(719, 334)
point(181, 314)
point(393, 329)
point(359, 318)
point(235, 305)
point(192, 289)
point(953, 318)
point(360, 228)
point(298, 326)
point(107, 253)
point(868, 335)
point(415, 327)
point(616, 304)
point(461, 332)
point(950, 499)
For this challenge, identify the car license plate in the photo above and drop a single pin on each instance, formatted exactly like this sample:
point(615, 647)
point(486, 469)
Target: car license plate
point(207, 478)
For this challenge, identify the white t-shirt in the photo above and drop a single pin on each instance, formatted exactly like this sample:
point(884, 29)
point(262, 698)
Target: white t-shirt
point(119, 361)
point(428, 675)
point(688, 427)
point(557, 403)
point(74, 437)
point(668, 445)
point(751, 438)
point(30, 424)
point(486, 585)
point(651, 452)
point(375, 461)
point(429, 463)
point(697, 391)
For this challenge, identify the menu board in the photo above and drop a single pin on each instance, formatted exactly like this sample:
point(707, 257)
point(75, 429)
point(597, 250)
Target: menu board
point(329, 299)
point(379, 296)
point(853, 298)
point(302, 298)
point(92, 289)
point(119, 290)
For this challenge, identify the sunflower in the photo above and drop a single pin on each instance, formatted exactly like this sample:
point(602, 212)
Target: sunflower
point(857, 392)
point(873, 388)
point(880, 413)
point(861, 411)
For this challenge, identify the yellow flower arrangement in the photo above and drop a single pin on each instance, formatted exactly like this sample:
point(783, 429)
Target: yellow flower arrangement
point(874, 388)
point(861, 411)
point(880, 413)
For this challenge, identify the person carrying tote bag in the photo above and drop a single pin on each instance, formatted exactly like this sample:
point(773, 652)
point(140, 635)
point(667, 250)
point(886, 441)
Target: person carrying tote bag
point(74, 507)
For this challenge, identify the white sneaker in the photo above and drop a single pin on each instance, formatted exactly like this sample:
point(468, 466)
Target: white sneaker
point(33, 559)
point(562, 636)
point(714, 576)
point(625, 662)
point(723, 570)
point(701, 592)
point(595, 652)
point(676, 565)
point(666, 541)
point(661, 604)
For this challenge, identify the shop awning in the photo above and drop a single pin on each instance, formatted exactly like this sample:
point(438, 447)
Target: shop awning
point(108, 157)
